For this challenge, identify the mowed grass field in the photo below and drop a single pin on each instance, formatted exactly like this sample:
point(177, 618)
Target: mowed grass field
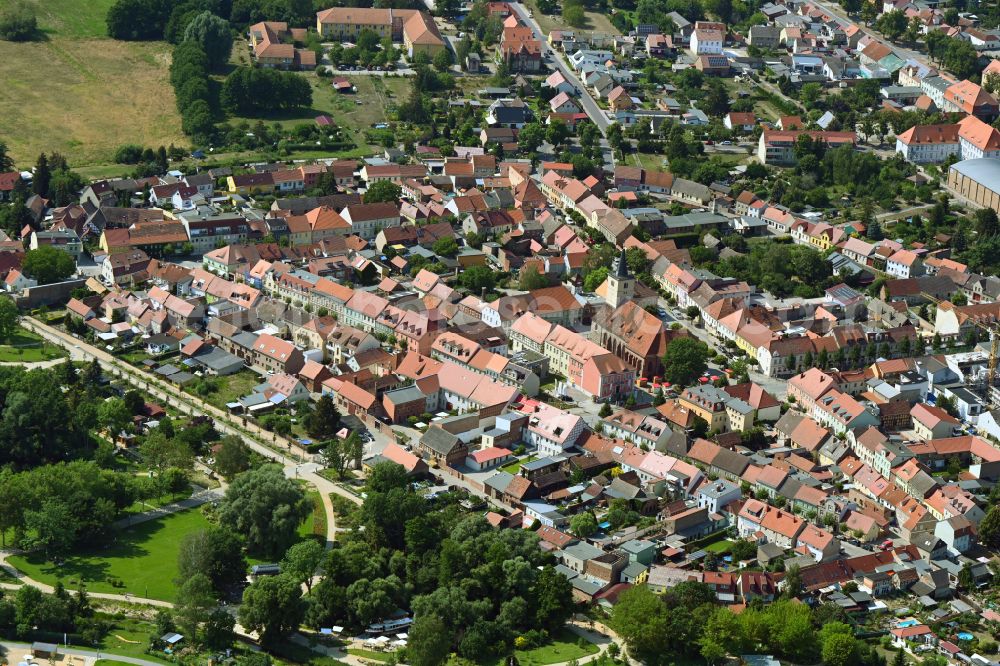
point(81, 94)
point(143, 558)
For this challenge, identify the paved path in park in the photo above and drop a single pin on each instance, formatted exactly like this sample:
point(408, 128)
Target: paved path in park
point(44, 587)
point(203, 496)
point(31, 365)
point(14, 652)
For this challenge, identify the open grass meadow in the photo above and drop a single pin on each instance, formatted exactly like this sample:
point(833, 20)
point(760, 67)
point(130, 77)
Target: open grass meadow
point(354, 112)
point(24, 346)
point(81, 94)
point(142, 559)
point(595, 21)
point(565, 646)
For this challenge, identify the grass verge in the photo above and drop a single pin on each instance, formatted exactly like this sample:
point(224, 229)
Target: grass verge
point(515, 467)
point(23, 346)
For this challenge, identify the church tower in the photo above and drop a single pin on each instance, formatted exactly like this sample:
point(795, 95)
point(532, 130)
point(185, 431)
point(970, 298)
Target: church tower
point(621, 285)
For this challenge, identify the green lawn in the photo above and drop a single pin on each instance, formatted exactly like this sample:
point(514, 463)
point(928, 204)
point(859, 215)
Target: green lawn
point(647, 161)
point(111, 662)
point(719, 547)
point(369, 654)
point(315, 524)
point(515, 467)
point(128, 637)
point(595, 21)
point(27, 347)
point(143, 558)
point(566, 646)
point(353, 113)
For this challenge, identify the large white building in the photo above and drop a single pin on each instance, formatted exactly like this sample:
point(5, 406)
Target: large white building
point(706, 41)
point(970, 139)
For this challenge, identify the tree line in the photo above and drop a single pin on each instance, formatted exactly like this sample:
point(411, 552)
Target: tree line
point(249, 90)
point(28, 610)
point(204, 40)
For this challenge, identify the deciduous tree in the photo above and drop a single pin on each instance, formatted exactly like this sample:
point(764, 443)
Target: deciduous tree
point(46, 264)
point(18, 22)
point(302, 560)
point(195, 601)
point(216, 552)
point(429, 642)
point(642, 620)
point(266, 508)
point(383, 190)
point(232, 457)
point(273, 607)
point(213, 34)
point(685, 360)
point(9, 316)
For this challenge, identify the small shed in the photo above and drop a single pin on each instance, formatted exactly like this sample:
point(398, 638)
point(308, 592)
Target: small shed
point(45, 650)
point(171, 639)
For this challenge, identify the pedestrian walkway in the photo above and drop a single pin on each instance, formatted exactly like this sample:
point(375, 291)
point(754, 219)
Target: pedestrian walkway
point(203, 496)
point(14, 649)
point(31, 365)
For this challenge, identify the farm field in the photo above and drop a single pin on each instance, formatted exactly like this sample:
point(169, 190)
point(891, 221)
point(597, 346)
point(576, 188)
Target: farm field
point(81, 94)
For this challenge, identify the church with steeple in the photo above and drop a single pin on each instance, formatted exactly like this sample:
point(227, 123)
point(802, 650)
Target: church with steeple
point(621, 284)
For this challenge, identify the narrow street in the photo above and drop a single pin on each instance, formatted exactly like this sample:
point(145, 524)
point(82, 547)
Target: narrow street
point(549, 55)
point(901, 51)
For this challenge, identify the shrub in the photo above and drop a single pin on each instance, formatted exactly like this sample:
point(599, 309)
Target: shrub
point(18, 23)
point(128, 153)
